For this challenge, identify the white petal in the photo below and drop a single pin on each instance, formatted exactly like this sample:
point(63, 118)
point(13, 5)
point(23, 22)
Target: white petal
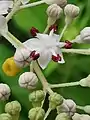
point(4, 6)
point(25, 1)
point(3, 24)
point(33, 44)
point(44, 59)
point(61, 44)
point(42, 36)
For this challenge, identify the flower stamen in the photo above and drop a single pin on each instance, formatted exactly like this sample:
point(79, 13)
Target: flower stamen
point(68, 44)
point(56, 58)
point(34, 55)
point(34, 31)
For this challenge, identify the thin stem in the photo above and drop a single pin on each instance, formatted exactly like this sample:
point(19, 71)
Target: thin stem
point(15, 8)
point(64, 85)
point(32, 4)
point(77, 51)
point(64, 29)
point(13, 40)
point(42, 78)
point(47, 113)
point(46, 29)
point(31, 67)
point(15, 117)
point(80, 107)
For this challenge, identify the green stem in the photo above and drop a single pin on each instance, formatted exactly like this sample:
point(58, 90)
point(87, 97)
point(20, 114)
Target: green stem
point(64, 29)
point(15, 117)
point(77, 51)
point(42, 78)
point(64, 85)
point(32, 4)
point(80, 107)
point(47, 113)
point(46, 29)
point(15, 8)
point(13, 40)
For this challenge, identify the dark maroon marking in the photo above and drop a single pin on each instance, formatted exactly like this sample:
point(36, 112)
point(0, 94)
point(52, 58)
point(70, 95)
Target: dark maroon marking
point(68, 44)
point(34, 56)
point(54, 27)
point(56, 58)
point(34, 31)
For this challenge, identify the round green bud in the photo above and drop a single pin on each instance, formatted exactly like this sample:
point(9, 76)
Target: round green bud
point(63, 116)
point(36, 114)
point(5, 116)
point(37, 97)
point(13, 107)
point(55, 100)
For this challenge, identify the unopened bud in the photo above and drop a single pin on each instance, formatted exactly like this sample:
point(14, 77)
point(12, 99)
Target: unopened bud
point(36, 114)
point(5, 116)
point(28, 80)
point(4, 92)
point(37, 97)
point(55, 100)
point(71, 11)
point(13, 108)
point(22, 57)
point(54, 12)
point(62, 116)
point(85, 82)
point(80, 117)
point(87, 109)
point(61, 3)
point(68, 106)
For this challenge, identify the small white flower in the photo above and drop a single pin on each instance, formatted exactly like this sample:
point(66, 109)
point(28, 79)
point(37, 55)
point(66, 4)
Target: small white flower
point(4, 92)
point(68, 106)
point(47, 47)
point(28, 80)
point(5, 5)
point(61, 3)
point(84, 36)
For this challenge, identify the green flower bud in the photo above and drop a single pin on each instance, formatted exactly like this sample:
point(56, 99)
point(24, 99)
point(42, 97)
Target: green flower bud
point(37, 97)
point(36, 114)
point(63, 116)
point(5, 116)
point(55, 100)
point(13, 107)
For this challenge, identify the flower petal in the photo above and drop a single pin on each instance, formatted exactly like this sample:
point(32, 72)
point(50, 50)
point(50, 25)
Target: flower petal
point(4, 6)
point(44, 59)
point(33, 44)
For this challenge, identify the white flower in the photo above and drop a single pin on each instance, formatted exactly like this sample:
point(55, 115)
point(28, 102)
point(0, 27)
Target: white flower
point(68, 107)
point(47, 47)
point(4, 91)
point(28, 80)
point(5, 5)
point(3, 25)
point(84, 36)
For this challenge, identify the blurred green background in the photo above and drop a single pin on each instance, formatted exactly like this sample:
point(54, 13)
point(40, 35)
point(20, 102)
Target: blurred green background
point(75, 68)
